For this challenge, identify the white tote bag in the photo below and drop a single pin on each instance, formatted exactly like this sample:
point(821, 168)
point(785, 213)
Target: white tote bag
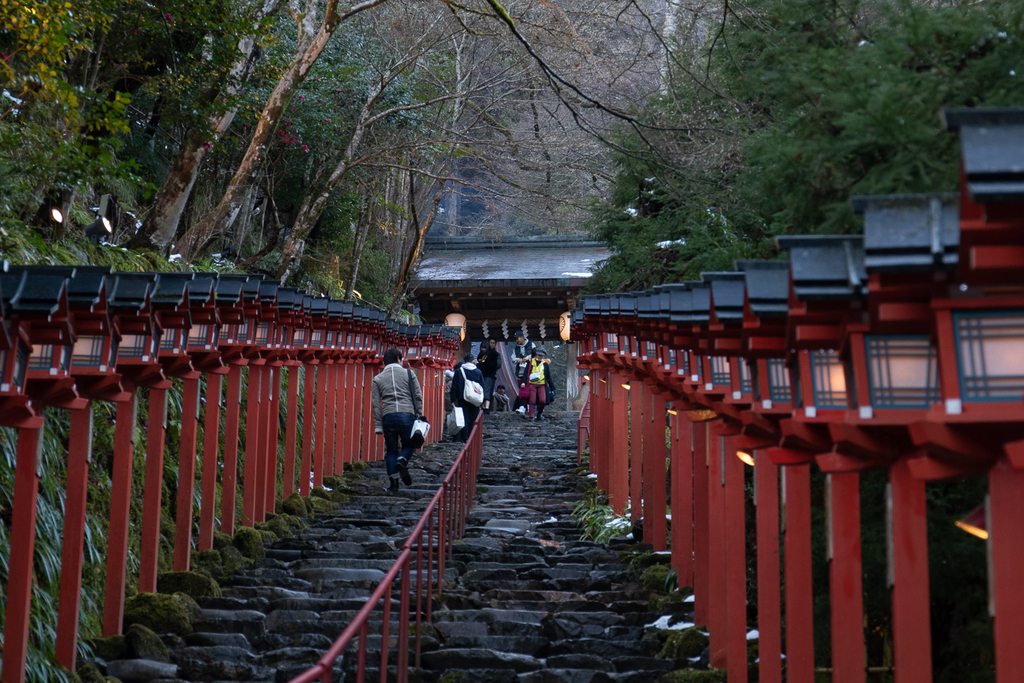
point(472, 392)
point(460, 417)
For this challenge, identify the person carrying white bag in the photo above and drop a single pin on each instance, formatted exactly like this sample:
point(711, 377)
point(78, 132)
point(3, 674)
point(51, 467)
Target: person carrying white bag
point(396, 399)
point(467, 394)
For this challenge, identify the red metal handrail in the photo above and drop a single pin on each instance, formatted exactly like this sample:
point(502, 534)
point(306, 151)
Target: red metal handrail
point(452, 502)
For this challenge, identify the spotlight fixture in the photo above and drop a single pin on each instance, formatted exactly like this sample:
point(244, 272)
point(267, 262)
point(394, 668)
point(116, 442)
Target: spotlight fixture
point(106, 218)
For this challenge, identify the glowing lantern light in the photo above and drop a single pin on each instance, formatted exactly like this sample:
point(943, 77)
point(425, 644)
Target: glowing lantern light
point(457, 320)
point(564, 325)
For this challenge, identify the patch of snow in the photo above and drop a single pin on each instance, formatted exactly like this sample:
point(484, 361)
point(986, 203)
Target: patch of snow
point(591, 476)
point(753, 635)
point(577, 274)
point(174, 258)
point(665, 244)
point(662, 552)
point(548, 521)
point(629, 536)
point(662, 623)
point(631, 211)
point(694, 659)
point(688, 599)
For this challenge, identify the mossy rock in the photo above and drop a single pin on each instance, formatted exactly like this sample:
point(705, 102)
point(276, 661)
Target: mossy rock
point(321, 504)
point(654, 578)
point(331, 481)
point(194, 584)
point(145, 644)
point(188, 604)
point(88, 673)
point(109, 648)
point(694, 676)
point(158, 612)
point(294, 505)
point(356, 466)
point(233, 559)
point(294, 521)
point(319, 492)
point(208, 561)
point(660, 603)
point(310, 509)
point(278, 525)
point(340, 497)
point(684, 644)
point(269, 538)
point(221, 541)
point(250, 542)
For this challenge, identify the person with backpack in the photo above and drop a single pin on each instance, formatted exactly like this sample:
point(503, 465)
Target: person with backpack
point(490, 363)
point(396, 400)
point(538, 378)
point(465, 396)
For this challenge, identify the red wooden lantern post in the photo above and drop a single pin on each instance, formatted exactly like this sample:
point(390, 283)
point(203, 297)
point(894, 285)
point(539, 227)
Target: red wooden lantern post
point(258, 429)
point(93, 368)
point(36, 317)
point(230, 314)
point(237, 348)
point(297, 324)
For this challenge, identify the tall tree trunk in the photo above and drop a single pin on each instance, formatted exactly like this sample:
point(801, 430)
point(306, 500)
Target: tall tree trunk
point(309, 44)
point(161, 225)
point(420, 232)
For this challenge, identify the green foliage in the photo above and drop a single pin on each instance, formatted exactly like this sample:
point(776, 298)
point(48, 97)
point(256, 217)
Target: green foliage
point(598, 522)
point(806, 104)
point(685, 643)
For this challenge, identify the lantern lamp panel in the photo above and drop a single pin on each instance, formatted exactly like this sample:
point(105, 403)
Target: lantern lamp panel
point(720, 373)
point(611, 341)
point(903, 372)
point(989, 356)
point(746, 380)
point(88, 352)
point(134, 346)
point(829, 380)
point(778, 381)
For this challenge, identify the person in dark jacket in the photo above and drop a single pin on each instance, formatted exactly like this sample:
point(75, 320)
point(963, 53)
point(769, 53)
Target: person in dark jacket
point(463, 371)
point(522, 352)
point(489, 362)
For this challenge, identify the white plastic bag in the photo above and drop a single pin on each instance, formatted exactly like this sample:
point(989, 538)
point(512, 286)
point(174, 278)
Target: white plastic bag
point(460, 417)
point(420, 429)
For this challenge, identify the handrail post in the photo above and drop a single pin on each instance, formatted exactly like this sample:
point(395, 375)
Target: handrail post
point(402, 658)
point(385, 633)
point(23, 540)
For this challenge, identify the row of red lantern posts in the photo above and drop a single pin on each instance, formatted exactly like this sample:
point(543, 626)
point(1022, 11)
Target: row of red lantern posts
point(901, 349)
point(73, 335)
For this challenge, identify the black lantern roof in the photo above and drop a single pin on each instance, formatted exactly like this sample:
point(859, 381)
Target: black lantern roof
point(251, 288)
point(727, 289)
point(131, 291)
point(286, 298)
point(767, 287)
point(591, 306)
point(229, 287)
point(347, 309)
point(334, 308)
point(27, 290)
point(268, 292)
point(700, 303)
point(992, 150)
point(171, 288)
point(318, 307)
point(826, 267)
point(910, 231)
point(85, 288)
point(682, 304)
point(202, 287)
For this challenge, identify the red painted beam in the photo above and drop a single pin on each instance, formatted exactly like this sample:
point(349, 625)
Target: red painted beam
point(156, 428)
point(308, 411)
point(769, 606)
point(717, 615)
point(186, 475)
point(291, 431)
point(636, 450)
point(23, 542)
point(1006, 543)
point(655, 529)
point(252, 437)
point(701, 540)
point(73, 540)
point(229, 483)
point(211, 436)
point(618, 452)
point(735, 565)
point(120, 501)
point(846, 589)
point(908, 526)
point(799, 596)
point(320, 430)
point(273, 440)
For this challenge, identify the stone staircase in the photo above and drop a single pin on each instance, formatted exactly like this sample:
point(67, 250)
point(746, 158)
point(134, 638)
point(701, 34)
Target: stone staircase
point(524, 601)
